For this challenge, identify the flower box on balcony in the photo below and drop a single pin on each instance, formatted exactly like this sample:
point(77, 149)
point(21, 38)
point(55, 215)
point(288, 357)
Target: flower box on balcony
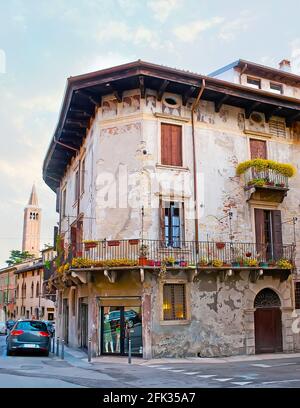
point(157, 263)
point(183, 264)
point(150, 262)
point(142, 261)
point(89, 245)
point(133, 242)
point(220, 245)
point(236, 264)
point(264, 264)
point(113, 243)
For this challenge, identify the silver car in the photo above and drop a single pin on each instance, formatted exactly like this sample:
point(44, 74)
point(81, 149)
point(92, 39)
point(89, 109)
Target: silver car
point(3, 328)
point(31, 335)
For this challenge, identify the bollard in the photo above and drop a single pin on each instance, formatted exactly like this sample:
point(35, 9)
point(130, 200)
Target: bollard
point(53, 344)
point(57, 346)
point(62, 349)
point(90, 350)
point(129, 350)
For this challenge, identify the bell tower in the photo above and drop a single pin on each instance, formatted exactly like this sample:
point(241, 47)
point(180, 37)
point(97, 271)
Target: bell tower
point(32, 225)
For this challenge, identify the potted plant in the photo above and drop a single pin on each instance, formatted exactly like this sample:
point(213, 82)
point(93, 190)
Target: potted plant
point(264, 264)
point(169, 261)
point(151, 262)
point(284, 264)
point(143, 254)
point(220, 245)
point(217, 263)
point(88, 244)
point(248, 254)
point(157, 263)
point(271, 262)
point(183, 264)
point(113, 243)
point(203, 261)
point(252, 263)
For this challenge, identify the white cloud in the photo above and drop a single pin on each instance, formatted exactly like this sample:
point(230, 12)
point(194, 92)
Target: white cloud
point(113, 30)
point(102, 61)
point(295, 56)
point(234, 27)
point(190, 31)
point(163, 8)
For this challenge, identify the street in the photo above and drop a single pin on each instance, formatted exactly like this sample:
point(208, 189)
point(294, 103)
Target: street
point(35, 371)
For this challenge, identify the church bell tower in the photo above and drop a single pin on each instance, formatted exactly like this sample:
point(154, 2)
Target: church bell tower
point(32, 225)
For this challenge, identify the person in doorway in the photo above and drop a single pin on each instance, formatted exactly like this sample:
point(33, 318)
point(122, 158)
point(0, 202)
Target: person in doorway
point(108, 341)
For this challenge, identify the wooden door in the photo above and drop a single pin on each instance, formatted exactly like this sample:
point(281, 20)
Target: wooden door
point(268, 330)
point(258, 149)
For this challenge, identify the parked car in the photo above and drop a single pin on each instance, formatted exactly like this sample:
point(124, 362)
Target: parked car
point(10, 324)
point(50, 326)
point(29, 335)
point(3, 328)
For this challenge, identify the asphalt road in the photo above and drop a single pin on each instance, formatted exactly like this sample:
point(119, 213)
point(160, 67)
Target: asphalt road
point(36, 371)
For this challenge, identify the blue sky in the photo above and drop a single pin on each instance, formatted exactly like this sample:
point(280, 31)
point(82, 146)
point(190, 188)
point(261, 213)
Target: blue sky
point(44, 42)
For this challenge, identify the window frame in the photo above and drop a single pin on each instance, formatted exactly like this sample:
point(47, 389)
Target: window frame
point(169, 123)
point(82, 175)
point(256, 86)
point(187, 292)
point(276, 91)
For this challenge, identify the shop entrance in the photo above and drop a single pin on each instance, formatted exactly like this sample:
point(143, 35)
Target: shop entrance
point(116, 322)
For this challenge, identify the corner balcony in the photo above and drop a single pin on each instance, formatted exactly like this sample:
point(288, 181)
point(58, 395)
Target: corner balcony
point(191, 256)
point(266, 180)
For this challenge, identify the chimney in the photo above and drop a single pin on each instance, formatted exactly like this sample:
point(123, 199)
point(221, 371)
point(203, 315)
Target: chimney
point(285, 65)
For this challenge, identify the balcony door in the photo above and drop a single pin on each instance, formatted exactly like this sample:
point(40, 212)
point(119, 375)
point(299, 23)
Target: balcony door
point(268, 231)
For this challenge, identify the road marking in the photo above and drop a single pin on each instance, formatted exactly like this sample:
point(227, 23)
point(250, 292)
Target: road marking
point(242, 383)
point(223, 379)
point(281, 381)
point(261, 365)
point(283, 364)
point(206, 376)
point(176, 371)
point(193, 373)
point(154, 366)
point(164, 368)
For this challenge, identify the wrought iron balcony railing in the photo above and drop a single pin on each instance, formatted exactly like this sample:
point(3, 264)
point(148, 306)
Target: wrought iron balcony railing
point(186, 253)
point(265, 179)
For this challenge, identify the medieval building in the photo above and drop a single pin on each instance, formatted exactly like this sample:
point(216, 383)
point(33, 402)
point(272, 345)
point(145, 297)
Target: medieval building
point(178, 196)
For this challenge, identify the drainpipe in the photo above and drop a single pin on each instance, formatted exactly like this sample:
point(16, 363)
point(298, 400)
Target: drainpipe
point(194, 107)
point(242, 71)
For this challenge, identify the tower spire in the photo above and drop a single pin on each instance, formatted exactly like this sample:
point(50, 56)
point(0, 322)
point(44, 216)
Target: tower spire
point(33, 199)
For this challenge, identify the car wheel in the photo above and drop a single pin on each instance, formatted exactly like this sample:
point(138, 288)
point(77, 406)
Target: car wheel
point(46, 353)
point(9, 352)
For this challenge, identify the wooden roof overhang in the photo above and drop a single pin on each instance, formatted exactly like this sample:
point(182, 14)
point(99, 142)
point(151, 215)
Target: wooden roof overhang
point(84, 92)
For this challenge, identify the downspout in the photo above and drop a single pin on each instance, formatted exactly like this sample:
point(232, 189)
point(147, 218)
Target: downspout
point(242, 72)
point(194, 107)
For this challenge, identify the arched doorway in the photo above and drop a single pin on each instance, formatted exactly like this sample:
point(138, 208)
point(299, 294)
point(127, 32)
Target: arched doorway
point(267, 320)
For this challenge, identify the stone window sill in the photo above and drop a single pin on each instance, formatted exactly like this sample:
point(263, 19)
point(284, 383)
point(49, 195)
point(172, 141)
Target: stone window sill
point(175, 322)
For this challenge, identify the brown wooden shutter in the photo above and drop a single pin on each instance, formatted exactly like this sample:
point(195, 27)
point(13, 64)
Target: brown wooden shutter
point(277, 234)
point(171, 144)
point(260, 231)
point(258, 149)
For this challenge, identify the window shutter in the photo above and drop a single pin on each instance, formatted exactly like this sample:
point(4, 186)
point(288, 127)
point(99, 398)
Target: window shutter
point(277, 234)
point(258, 149)
point(57, 199)
point(171, 144)
point(259, 231)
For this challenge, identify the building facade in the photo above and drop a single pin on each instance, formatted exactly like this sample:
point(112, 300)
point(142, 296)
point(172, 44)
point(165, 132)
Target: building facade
point(7, 293)
point(169, 232)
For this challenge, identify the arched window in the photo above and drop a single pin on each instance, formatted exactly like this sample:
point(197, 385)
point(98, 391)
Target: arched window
point(24, 290)
point(37, 290)
point(17, 292)
point(267, 298)
point(32, 289)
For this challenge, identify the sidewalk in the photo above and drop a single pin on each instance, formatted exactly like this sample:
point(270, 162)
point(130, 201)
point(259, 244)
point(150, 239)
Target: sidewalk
point(79, 358)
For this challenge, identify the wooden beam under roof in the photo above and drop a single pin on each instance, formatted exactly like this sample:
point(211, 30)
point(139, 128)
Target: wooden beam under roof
point(87, 95)
point(272, 112)
point(292, 119)
point(162, 89)
point(251, 109)
point(83, 123)
point(220, 102)
point(82, 112)
point(187, 95)
point(142, 86)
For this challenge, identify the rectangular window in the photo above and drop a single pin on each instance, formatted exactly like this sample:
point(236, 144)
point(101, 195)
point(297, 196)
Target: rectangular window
point(82, 180)
point(253, 82)
point(276, 88)
point(297, 295)
point(76, 189)
point(174, 302)
point(277, 128)
point(171, 223)
point(171, 144)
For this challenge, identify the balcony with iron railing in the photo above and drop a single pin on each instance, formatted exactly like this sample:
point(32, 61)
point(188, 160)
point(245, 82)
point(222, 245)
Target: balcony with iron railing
point(266, 179)
point(184, 254)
